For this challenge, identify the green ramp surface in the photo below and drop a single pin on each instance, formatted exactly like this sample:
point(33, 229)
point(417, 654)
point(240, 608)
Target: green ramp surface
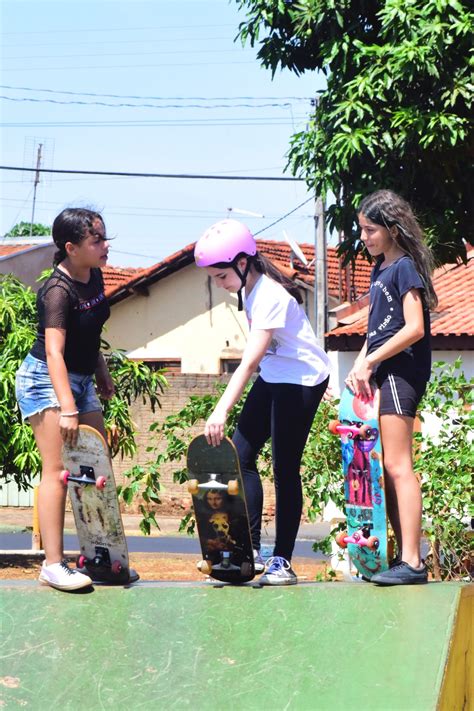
point(155, 646)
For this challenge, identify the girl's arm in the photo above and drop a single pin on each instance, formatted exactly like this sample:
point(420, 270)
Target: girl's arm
point(350, 380)
point(410, 333)
point(256, 347)
point(55, 341)
point(104, 382)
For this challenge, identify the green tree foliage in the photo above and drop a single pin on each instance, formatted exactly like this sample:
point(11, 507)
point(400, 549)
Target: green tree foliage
point(445, 463)
point(397, 110)
point(23, 229)
point(19, 458)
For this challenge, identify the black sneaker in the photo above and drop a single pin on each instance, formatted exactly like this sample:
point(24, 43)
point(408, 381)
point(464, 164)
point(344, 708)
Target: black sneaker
point(401, 574)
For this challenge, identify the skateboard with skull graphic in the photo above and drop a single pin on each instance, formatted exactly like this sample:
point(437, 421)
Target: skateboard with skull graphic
point(89, 478)
point(366, 537)
point(220, 509)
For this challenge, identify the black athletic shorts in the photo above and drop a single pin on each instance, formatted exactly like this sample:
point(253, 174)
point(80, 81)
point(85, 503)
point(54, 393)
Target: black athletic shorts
point(398, 396)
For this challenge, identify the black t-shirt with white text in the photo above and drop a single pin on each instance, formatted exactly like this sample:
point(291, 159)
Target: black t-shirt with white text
point(387, 289)
point(81, 310)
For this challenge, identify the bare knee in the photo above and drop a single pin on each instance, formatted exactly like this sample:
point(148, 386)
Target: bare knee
point(398, 471)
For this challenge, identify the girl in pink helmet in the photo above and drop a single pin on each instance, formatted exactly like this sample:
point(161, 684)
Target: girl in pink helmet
point(283, 400)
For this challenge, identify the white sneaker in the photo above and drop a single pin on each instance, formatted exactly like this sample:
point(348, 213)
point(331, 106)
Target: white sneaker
point(60, 576)
point(259, 563)
point(278, 571)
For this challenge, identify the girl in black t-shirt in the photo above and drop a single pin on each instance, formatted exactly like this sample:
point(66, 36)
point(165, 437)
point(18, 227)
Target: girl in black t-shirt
point(55, 383)
point(397, 356)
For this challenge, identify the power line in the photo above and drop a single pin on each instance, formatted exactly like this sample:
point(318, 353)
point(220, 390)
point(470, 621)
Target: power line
point(159, 98)
point(87, 30)
point(146, 106)
point(179, 176)
point(283, 217)
point(172, 65)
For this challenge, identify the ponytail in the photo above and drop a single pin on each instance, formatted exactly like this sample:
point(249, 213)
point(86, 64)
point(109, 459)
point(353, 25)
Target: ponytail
point(59, 255)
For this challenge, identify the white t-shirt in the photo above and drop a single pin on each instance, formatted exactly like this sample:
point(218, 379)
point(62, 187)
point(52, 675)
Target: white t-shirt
point(293, 355)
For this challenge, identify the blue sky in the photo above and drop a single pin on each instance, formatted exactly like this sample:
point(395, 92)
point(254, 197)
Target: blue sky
point(172, 55)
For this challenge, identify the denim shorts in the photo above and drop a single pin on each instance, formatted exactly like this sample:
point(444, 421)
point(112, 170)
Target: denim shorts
point(35, 392)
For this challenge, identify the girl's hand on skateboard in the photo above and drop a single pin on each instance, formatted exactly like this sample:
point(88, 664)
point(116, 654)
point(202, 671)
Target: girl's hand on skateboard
point(358, 380)
point(69, 429)
point(214, 428)
point(105, 384)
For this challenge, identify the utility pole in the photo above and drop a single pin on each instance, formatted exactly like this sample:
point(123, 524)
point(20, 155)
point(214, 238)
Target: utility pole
point(37, 179)
point(320, 273)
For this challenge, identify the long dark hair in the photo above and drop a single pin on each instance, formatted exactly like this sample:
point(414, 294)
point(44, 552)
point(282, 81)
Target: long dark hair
point(388, 209)
point(265, 266)
point(72, 225)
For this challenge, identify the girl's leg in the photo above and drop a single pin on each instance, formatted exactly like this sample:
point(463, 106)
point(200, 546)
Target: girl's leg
point(403, 489)
point(52, 492)
point(294, 408)
point(253, 430)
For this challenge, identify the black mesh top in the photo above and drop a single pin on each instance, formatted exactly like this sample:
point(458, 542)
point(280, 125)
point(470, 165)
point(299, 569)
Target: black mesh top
point(81, 310)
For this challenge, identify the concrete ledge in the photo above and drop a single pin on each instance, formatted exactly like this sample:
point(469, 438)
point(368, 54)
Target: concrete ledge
point(314, 646)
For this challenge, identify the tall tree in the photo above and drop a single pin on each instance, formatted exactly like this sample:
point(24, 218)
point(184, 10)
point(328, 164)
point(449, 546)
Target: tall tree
point(397, 110)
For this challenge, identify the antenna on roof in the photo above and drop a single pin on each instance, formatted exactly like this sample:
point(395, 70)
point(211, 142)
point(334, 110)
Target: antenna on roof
point(296, 251)
point(240, 211)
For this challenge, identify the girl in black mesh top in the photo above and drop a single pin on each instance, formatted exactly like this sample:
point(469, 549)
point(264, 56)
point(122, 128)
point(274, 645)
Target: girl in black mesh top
point(55, 384)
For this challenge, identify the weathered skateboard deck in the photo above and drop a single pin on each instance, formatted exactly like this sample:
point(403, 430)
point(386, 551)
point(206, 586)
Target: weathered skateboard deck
point(366, 537)
point(90, 481)
point(215, 483)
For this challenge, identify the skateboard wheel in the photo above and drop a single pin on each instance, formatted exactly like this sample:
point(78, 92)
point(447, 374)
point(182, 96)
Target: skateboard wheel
point(204, 567)
point(373, 543)
point(64, 476)
point(193, 486)
point(333, 425)
point(341, 539)
point(116, 567)
point(81, 560)
point(246, 569)
point(100, 482)
point(233, 487)
point(356, 536)
point(364, 431)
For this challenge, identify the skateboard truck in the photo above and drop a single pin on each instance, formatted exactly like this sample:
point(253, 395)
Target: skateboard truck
point(87, 477)
point(350, 430)
point(232, 487)
point(100, 562)
point(360, 538)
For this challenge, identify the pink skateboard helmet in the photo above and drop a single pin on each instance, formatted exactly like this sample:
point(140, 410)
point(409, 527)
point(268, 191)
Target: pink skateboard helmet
point(223, 242)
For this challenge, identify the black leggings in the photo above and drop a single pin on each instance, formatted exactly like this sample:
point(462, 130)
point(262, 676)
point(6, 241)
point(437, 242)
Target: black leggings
point(284, 412)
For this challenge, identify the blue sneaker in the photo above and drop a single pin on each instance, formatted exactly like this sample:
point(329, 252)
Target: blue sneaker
point(278, 571)
point(258, 562)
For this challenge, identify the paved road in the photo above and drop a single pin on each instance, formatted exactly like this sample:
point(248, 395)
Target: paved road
point(144, 544)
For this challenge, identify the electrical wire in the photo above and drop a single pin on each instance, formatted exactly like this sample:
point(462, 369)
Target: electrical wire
point(159, 98)
point(179, 176)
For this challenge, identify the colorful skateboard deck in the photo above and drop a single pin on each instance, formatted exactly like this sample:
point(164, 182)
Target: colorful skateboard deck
point(366, 537)
point(220, 509)
point(90, 481)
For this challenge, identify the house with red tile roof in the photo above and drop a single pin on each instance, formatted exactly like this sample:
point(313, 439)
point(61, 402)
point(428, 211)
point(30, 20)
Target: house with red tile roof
point(26, 258)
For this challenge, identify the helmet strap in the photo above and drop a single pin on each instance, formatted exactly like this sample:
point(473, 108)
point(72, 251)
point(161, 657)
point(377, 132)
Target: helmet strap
point(243, 278)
